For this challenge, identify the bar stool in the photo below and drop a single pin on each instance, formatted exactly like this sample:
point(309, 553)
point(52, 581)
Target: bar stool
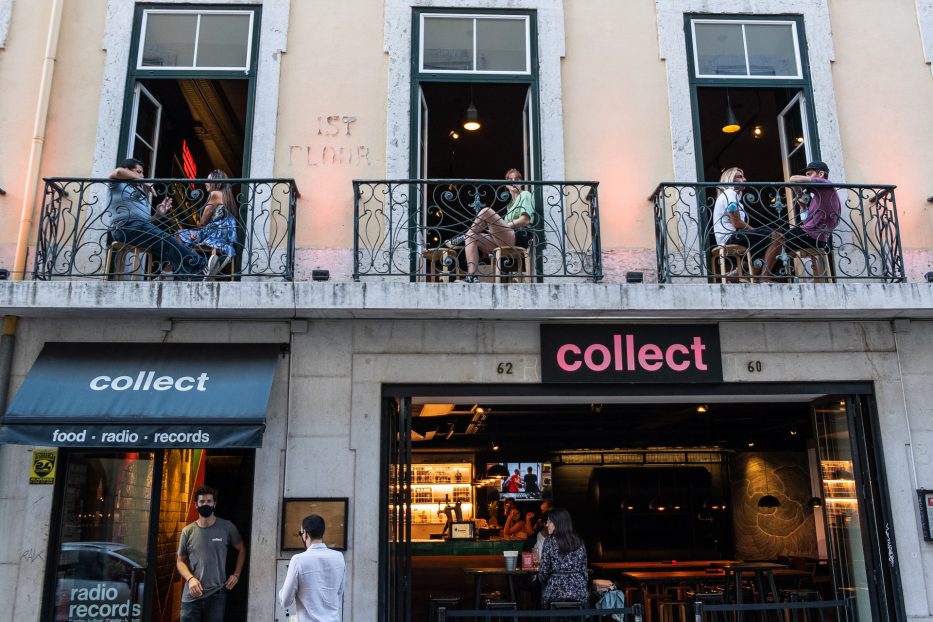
point(502, 605)
point(117, 253)
point(737, 254)
point(436, 602)
point(818, 258)
point(706, 598)
point(565, 605)
point(438, 265)
point(667, 608)
point(512, 264)
point(800, 596)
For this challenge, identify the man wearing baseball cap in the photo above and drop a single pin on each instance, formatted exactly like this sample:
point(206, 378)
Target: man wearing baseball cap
point(821, 217)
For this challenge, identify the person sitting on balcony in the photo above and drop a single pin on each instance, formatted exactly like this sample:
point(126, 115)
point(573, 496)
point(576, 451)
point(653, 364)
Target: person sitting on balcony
point(131, 221)
point(489, 230)
point(217, 228)
point(817, 223)
point(730, 221)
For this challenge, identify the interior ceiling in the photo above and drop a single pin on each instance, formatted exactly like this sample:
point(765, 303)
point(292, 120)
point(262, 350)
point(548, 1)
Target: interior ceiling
point(218, 113)
point(529, 429)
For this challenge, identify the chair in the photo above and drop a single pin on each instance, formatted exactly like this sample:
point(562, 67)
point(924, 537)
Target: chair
point(721, 256)
point(118, 253)
point(513, 264)
point(228, 270)
point(502, 605)
point(438, 265)
point(565, 605)
point(819, 260)
point(436, 602)
point(667, 608)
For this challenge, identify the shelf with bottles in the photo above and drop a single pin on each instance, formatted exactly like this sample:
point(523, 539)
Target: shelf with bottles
point(432, 513)
point(459, 473)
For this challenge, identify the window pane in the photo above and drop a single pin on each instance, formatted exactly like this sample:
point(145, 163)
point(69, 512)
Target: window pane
point(169, 40)
point(146, 118)
point(500, 45)
point(223, 40)
point(720, 50)
point(102, 567)
point(771, 49)
point(448, 44)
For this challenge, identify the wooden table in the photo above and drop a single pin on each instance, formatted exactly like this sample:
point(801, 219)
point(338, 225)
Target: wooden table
point(692, 564)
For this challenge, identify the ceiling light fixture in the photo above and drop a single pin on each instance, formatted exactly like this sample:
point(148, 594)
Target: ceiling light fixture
point(731, 126)
point(471, 119)
point(702, 408)
point(768, 500)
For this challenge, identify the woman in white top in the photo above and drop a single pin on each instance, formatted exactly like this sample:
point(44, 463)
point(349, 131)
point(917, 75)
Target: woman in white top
point(730, 221)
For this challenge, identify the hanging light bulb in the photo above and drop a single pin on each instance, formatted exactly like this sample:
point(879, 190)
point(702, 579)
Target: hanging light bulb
point(731, 126)
point(769, 500)
point(471, 119)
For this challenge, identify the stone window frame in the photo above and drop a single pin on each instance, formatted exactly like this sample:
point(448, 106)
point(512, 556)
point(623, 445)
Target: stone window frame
point(6, 13)
point(397, 40)
point(819, 54)
point(273, 34)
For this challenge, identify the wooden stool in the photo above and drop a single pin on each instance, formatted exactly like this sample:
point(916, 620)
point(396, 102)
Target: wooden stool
point(667, 608)
point(567, 605)
point(512, 264)
point(117, 253)
point(819, 259)
point(720, 256)
point(436, 602)
point(438, 265)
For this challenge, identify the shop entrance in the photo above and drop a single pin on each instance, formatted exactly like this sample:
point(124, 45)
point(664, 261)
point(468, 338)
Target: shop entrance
point(787, 475)
point(113, 546)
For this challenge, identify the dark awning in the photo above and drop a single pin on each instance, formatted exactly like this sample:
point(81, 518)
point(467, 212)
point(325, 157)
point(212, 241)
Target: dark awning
point(145, 395)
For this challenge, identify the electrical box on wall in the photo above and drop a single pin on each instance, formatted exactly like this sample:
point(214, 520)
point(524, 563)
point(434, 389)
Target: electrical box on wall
point(926, 512)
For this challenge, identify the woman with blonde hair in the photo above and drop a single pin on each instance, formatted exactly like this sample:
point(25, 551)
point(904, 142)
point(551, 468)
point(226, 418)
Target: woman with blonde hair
point(489, 230)
point(730, 220)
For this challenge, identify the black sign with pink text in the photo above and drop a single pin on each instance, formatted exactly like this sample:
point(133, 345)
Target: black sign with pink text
point(630, 353)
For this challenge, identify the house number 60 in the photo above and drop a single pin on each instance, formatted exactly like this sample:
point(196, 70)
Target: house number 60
point(754, 367)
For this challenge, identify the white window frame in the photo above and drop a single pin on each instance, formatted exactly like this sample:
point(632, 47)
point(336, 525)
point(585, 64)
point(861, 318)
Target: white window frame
point(197, 34)
point(743, 23)
point(475, 17)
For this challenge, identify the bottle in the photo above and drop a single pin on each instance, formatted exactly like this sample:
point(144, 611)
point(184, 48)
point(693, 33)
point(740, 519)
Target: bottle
point(732, 207)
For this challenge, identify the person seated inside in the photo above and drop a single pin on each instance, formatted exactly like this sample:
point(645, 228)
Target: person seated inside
point(131, 221)
point(516, 527)
point(818, 221)
point(730, 220)
point(489, 230)
point(217, 225)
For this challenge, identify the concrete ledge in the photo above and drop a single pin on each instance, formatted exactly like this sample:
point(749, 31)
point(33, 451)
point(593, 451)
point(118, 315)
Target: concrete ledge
point(281, 300)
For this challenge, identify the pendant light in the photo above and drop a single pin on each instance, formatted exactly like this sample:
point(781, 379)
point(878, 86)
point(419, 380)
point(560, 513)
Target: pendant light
point(498, 471)
point(769, 500)
point(658, 504)
point(471, 119)
point(731, 126)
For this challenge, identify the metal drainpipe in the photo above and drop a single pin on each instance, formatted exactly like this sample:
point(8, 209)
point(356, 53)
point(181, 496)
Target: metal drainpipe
point(38, 141)
point(7, 341)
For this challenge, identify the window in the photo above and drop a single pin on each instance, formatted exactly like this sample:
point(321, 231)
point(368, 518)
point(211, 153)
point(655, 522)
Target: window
point(746, 49)
point(195, 40)
point(475, 44)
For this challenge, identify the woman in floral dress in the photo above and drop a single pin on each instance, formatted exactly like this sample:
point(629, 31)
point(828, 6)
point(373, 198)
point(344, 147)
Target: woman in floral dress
point(562, 570)
point(217, 224)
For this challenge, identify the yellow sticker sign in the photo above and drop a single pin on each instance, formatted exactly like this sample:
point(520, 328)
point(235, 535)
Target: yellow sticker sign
point(43, 466)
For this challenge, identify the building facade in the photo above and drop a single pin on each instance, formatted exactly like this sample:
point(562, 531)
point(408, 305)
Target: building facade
point(342, 126)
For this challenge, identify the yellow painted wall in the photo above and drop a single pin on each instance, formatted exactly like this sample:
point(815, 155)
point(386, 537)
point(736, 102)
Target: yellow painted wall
point(335, 66)
point(884, 96)
point(616, 114)
point(72, 115)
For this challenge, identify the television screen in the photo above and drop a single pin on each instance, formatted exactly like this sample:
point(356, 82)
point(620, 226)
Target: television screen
point(526, 480)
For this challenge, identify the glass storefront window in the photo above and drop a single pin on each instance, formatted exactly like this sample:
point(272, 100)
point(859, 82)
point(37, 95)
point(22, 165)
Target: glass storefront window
point(102, 569)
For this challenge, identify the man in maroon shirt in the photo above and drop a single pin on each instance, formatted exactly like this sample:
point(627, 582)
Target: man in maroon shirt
point(815, 229)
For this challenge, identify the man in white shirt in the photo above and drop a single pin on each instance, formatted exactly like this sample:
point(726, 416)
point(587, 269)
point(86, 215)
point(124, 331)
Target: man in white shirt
point(315, 579)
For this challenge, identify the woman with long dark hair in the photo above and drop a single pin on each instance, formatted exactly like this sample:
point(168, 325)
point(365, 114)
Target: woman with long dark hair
point(562, 570)
point(217, 228)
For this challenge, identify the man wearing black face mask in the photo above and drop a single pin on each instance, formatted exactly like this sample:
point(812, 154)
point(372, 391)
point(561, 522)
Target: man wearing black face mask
point(202, 560)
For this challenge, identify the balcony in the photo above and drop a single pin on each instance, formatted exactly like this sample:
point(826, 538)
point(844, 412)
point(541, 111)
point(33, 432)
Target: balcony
point(401, 227)
point(865, 245)
point(79, 234)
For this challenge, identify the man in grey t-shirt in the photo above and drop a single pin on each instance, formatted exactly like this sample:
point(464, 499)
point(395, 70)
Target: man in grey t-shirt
point(202, 561)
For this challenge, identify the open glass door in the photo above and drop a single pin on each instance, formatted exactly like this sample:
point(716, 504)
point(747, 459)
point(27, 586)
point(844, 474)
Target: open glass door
point(849, 490)
point(795, 145)
point(527, 137)
point(395, 588)
point(145, 124)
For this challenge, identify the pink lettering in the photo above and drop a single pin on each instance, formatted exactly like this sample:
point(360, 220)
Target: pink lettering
point(562, 357)
point(698, 348)
point(650, 357)
point(606, 358)
point(617, 347)
point(669, 357)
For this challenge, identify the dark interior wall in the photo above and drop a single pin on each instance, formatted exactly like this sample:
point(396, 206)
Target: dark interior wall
point(594, 495)
point(766, 533)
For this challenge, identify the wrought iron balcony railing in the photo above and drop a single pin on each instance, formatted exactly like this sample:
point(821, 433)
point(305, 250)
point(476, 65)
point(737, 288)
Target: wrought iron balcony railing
point(89, 228)
point(864, 245)
point(402, 229)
